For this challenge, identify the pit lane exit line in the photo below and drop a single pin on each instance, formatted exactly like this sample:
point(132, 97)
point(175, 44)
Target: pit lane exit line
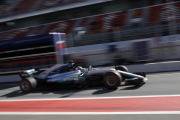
point(93, 113)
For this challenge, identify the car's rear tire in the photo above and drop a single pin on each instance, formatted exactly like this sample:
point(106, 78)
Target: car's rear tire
point(122, 68)
point(27, 85)
point(112, 80)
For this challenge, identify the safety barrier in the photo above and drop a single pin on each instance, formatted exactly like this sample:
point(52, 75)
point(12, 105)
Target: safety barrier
point(98, 55)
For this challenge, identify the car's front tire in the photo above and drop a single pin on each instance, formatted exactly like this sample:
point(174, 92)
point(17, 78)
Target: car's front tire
point(112, 80)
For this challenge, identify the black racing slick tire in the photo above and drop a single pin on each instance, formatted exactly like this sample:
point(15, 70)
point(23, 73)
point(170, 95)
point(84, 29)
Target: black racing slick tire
point(121, 67)
point(27, 85)
point(112, 80)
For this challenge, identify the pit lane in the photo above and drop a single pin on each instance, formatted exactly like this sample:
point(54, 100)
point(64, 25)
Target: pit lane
point(158, 84)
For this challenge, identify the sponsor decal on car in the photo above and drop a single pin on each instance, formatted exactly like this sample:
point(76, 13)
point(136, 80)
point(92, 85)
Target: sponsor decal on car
point(71, 79)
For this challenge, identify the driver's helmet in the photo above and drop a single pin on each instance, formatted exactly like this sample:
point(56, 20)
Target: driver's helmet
point(79, 68)
point(71, 65)
point(83, 70)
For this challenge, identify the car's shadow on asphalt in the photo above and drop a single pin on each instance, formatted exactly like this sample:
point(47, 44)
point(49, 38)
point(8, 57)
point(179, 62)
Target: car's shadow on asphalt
point(102, 90)
point(7, 86)
point(16, 93)
point(69, 92)
point(132, 87)
point(62, 92)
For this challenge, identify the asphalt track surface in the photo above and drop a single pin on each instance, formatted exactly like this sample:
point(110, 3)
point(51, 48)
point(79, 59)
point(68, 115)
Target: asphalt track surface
point(159, 84)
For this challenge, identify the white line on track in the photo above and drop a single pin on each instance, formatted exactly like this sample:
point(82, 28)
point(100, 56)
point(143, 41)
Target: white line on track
point(90, 113)
point(91, 98)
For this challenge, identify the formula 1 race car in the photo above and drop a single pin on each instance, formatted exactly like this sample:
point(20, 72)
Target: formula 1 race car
point(62, 75)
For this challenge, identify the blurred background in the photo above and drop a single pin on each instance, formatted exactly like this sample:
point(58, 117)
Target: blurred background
point(98, 32)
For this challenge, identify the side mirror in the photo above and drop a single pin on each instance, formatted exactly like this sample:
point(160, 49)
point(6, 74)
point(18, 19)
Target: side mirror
point(90, 68)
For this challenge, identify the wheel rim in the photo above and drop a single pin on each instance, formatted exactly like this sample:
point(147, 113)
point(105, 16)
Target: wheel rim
point(25, 86)
point(111, 80)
